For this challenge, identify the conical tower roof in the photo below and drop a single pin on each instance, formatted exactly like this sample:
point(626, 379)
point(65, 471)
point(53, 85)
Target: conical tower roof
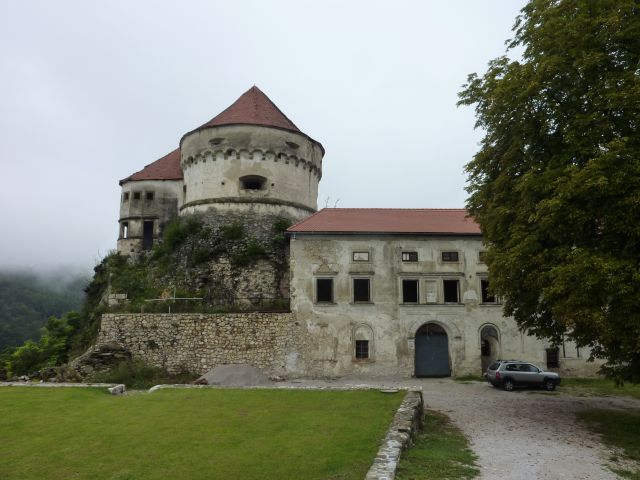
point(253, 108)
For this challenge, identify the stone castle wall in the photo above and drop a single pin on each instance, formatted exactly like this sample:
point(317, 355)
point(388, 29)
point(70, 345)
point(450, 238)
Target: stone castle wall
point(199, 342)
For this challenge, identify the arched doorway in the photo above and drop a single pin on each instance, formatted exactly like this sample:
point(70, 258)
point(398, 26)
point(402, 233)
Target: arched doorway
point(432, 352)
point(489, 346)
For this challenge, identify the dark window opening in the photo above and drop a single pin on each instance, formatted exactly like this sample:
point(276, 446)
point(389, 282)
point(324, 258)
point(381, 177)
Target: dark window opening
point(361, 290)
point(409, 256)
point(149, 195)
point(147, 235)
point(125, 230)
point(487, 296)
point(482, 257)
point(293, 145)
point(362, 348)
point(136, 195)
point(324, 290)
point(125, 197)
point(409, 291)
point(553, 358)
point(184, 193)
point(485, 348)
point(451, 294)
point(449, 256)
point(252, 182)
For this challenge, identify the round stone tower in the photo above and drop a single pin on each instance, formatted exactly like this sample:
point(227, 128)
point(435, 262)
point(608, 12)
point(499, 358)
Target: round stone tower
point(250, 160)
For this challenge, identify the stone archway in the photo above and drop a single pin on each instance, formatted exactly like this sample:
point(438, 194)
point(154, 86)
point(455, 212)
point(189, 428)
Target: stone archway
point(489, 346)
point(432, 351)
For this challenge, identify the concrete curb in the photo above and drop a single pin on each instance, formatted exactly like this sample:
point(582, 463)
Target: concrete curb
point(113, 388)
point(407, 422)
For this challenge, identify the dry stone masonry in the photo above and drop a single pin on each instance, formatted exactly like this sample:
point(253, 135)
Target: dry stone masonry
point(199, 342)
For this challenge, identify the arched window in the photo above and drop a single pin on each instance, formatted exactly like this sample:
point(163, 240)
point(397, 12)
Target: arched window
point(363, 342)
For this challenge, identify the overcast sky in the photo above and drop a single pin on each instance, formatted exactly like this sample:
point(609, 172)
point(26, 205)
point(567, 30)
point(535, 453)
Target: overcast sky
point(91, 92)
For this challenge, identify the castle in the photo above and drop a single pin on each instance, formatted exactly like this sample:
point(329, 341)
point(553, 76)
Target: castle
point(372, 291)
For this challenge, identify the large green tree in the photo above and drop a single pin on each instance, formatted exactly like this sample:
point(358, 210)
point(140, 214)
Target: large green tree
point(555, 185)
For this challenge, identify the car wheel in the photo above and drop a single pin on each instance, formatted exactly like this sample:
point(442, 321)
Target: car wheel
point(549, 385)
point(508, 385)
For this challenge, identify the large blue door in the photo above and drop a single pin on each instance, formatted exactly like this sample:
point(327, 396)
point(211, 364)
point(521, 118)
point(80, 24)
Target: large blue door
point(432, 352)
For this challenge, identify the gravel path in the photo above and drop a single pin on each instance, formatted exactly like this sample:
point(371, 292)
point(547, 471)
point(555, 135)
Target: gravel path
point(527, 434)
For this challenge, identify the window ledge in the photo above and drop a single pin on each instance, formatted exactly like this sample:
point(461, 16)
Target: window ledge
point(325, 304)
point(361, 303)
point(362, 360)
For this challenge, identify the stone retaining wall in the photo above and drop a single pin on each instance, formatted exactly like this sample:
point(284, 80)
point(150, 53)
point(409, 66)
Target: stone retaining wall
point(199, 342)
point(404, 429)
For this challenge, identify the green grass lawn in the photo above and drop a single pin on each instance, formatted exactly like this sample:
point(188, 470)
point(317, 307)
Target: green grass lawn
point(441, 452)
point(620, 430)
point(72, 433)
point(597, 386)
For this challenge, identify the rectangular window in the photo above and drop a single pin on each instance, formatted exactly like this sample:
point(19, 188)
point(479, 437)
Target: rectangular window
point(362, 348)
point(487, 296)
point(409, 291)
point(324, 290)
point(125, 229)
point(149, 195)
point(409, 256)
point(449, 256)
point(482, 257)
point(136, 195)
point(553, 358)
point(125, 197)
point(360, 256)
point(451, 291)
point(361, 290)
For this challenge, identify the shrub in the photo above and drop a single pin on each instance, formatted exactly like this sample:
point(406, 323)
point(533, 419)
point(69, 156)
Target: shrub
point(233, 231)
point(136, 374)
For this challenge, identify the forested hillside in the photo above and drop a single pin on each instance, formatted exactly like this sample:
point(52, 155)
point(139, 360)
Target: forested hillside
point(28, 300)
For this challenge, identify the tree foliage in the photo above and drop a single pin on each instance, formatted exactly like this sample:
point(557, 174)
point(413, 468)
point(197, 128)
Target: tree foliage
point(555, 185)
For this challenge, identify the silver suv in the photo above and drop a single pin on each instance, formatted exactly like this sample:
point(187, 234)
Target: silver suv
point(510, 374)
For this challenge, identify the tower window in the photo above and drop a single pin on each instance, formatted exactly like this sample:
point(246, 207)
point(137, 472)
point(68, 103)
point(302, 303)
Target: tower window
point(125, 229)
point(149, 195)
point(252, 182)
point(136, 195)
point(125, 197)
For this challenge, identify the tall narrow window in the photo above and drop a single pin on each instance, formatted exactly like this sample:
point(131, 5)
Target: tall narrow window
point(147, 234)
point(409, 291)
point(451, 291)
point(125, 197)
point(361, 290)
point(324, 290)
point(125, 229)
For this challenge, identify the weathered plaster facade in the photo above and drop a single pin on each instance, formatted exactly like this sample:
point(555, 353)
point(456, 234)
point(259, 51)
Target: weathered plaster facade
point(387, 322)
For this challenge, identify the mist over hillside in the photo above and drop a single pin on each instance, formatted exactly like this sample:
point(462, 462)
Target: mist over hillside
point(28, 298)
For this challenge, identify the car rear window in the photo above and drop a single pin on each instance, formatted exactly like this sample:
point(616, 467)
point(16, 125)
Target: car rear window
point(494, 366)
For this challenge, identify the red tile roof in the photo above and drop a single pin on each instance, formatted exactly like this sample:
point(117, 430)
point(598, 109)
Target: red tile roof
point(388, 220)
point(253, 108)
point(165, 168)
